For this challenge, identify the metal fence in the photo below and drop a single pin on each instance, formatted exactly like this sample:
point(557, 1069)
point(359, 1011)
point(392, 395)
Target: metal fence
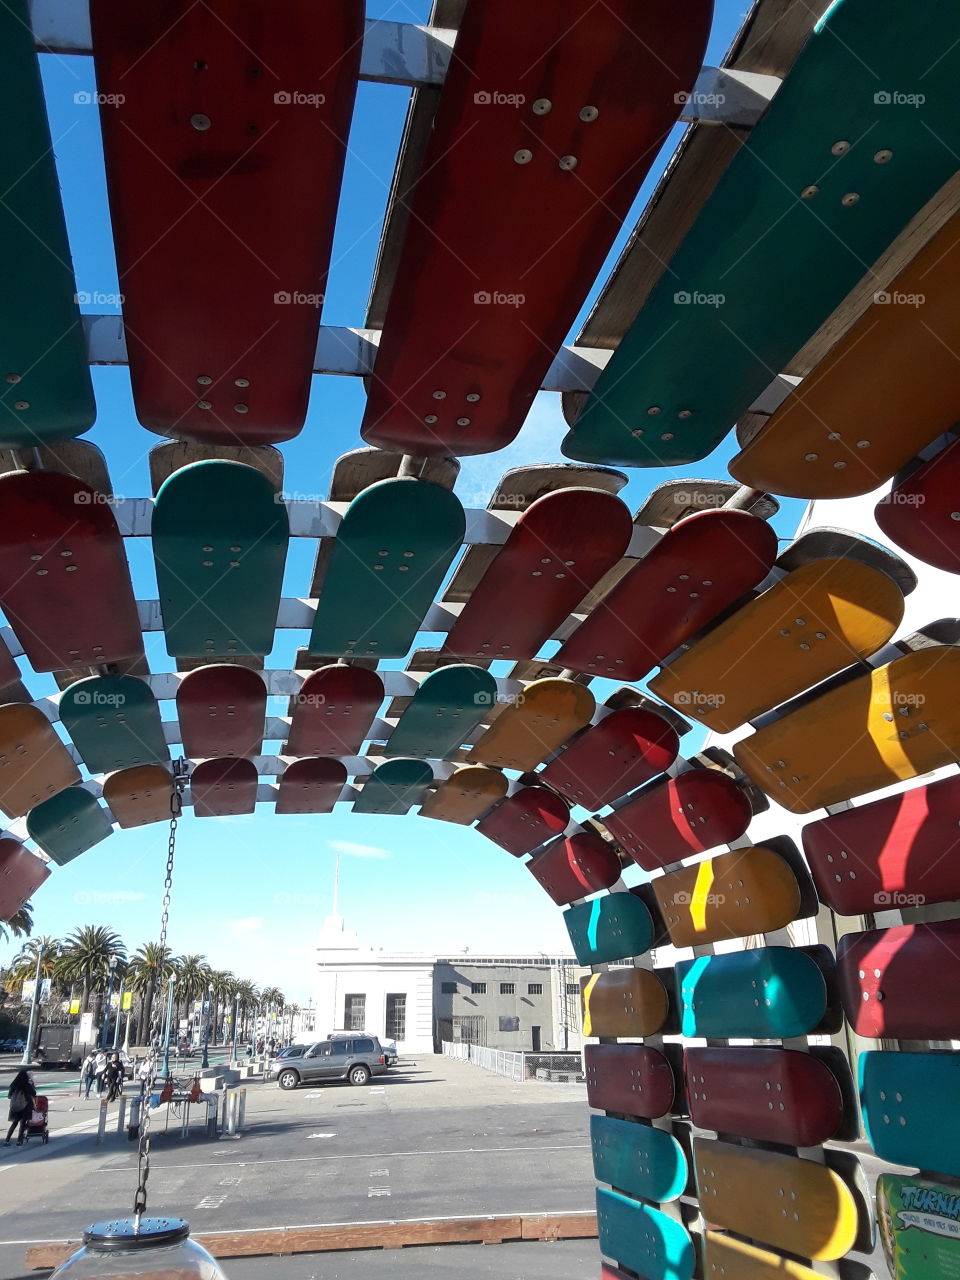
point(563, 1068)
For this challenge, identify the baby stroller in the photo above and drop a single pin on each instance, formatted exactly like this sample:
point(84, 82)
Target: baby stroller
point(37, 1124)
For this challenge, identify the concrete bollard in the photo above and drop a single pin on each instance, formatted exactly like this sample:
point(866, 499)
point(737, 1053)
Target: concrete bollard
point(102, 1122)
point(133, 1128)
point(121, 1115)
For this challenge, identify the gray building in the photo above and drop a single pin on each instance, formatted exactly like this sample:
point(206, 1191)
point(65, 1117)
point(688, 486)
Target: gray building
point(521, 1003)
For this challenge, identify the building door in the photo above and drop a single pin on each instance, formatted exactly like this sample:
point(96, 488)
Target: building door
point(535, 1034)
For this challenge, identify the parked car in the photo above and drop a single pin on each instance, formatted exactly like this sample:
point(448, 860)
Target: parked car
point(355, 1058)
point(12, 1046)
point(185, 1049)
point(389, 1047)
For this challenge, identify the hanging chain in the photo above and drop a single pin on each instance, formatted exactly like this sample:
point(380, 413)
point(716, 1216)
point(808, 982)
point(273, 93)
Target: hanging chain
point(148, 1082)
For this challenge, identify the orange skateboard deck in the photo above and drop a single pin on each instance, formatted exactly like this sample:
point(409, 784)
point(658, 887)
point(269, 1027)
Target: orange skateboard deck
point(888, 726)
point(728, 1258)
point(634, 1079)
point(889, 387)
point(313, 785)
point(702, 566)
point(332, 713)
point(34, 763)
point(675, 819)
point(21, 875)
point(626, 749)
point(789, 1203)
point(221, 709)
point(730, 895)
point(139, 795)
point(817, 621)
point(921, 514)
point(466, 795)
point(575, 866)
point(545, 715)
point(525, 820)
point(224, 787)
point(623, 1002)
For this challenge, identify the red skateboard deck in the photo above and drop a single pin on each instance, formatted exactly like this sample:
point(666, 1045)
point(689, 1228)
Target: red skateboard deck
point(521, 193)
point(221, 710)
point(559, 549)
point(771, 1095)
point(901, 851)
point(902, 983)
point(525, 820)
point(64, 581)
point(333, 711)
point(922, 513)
point(311, 786)
point(702, 566)
point(633, 1079)
point(626, 749)
point(223, 787)
point(685, 815)
point(224, 150)
point(575, 866)
point(21, 875)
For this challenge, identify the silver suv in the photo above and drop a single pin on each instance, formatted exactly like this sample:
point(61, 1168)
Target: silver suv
point(355, 1059)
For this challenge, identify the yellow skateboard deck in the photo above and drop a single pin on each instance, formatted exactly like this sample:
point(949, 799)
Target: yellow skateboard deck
point(781, 1200)
point(623, 1002)
point(544, 716)
point(139, 795)
point(818, 620)
point(730, 1259)
point(888, 388)
point(888, 726)
point(466, 795)
point(34, 763)
point(728, 896)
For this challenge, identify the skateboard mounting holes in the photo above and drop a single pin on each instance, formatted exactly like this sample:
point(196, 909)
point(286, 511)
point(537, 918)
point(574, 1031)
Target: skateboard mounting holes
point(473, 397)
point(840, 148)
point(567, 162)
point(542, 106)
point(41, 573)
point(638, 432)
point(21, 404)
point(589, 114)
point(808, 193)
point(239, 408)
point(850, 199)
point(463, 422)
point(653, 410)
point(204, 404)
point(810, 457)
point(11, 377)
point(204, 380)
point(863, 444)
point(883, 156)
point(839, 466)
point(523, 156)
point(430, 418)
point(439, 395)
point(685, 413)
point(200, 122)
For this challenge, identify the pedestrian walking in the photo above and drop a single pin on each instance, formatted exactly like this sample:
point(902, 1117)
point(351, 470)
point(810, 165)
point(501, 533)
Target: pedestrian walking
point(99, 1068)
point(22, 1094)
point(113, 1078)
point(88, 1073)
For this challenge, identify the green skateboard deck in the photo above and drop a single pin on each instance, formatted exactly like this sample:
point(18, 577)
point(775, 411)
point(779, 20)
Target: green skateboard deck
point(392, 550)
point(766, 993)
point(862, 133)
point(114, 722)
point(220, 542)
point(445, 710)
point(394, 787)
point(614, 927)
point(637, 1158)
point(909, 1108)
point(46, 389)
point(643, 1239)
point(68, 824)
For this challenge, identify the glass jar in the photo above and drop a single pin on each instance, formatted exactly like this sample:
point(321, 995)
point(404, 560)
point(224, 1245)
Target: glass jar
point(160, 1250)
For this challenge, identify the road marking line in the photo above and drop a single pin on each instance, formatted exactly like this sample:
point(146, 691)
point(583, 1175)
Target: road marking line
point(377, 1191)
point(321, 1135)
point(210, 1202)
point(379, 1173)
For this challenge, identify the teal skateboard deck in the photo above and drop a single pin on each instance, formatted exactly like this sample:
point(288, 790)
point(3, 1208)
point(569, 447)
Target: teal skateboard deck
point(220, 543)
point(114, 722)
point(643, 1239)
point(46, 393)
point(859, 137)
point(394, 545)
point(449, 704)
point(767, 993)
point(637, 1158)
point(68, 824)
point(909, 1105)
point(615, 927)
point(394, 787)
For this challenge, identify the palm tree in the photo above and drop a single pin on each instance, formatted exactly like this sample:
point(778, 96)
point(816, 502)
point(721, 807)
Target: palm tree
point(273, 999)
point(23, 966)
point(149, 969)
point(222, 983)
point(193, 974)
point(86, 957)
point(20, 923)
point(249, 998)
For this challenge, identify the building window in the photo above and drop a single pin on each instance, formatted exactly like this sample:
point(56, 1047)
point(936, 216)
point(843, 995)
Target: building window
point(508, 988)
point(448, 988)
point(478, 988)
point(573, 988)
point(534, 988)
point(509, 1024)
point(354, 1012)
point(396, 1026)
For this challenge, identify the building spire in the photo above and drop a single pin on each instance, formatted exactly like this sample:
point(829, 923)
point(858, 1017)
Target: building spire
point(336, 886)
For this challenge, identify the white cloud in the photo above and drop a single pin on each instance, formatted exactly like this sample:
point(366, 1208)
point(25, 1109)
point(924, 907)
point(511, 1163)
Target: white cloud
point(351, 850)
point(248, 924)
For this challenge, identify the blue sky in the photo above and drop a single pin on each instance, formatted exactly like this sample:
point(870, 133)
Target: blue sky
point(250, 892)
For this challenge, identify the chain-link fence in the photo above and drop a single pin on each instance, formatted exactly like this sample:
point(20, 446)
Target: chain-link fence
point(561, 1068)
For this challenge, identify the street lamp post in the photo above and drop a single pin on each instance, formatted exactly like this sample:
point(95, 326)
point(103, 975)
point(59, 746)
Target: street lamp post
point(233, 1031)
point(205, 1060)
point(34, 1012)
point(116, 1029)
point(105, 1023)
point(168, 1027)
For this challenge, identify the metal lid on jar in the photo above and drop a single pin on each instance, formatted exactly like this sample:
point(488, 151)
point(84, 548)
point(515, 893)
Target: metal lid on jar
point(122, 1233)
